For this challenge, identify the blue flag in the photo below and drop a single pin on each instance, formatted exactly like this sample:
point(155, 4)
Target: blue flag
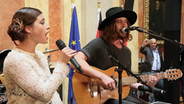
point(74, 43)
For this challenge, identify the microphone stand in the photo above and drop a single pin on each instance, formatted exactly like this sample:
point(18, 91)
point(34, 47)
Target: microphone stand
point(174, 42)
point(120, 70)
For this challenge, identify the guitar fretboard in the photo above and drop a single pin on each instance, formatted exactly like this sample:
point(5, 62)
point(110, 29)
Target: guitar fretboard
point(130, 80)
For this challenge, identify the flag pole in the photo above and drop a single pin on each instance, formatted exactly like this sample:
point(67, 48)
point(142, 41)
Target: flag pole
point(99, 18)
point(73, 1)
point(122, 5)
point(98, 3)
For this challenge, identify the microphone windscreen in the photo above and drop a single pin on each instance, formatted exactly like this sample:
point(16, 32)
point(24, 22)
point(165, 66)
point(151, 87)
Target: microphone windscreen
point(60, 44)
point(124, 30)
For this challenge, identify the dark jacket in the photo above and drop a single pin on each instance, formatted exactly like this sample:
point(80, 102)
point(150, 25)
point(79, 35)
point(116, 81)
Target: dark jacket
point(147, 65)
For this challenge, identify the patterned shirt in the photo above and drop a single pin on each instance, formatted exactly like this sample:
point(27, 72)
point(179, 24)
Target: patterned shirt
point(28, 79)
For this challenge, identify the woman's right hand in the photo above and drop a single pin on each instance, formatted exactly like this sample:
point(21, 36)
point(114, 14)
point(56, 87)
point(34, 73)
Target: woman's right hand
point(66, 54)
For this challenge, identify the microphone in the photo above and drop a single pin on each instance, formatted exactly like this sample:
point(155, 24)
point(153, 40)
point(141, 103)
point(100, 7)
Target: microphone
point(125, 30)
point(62, 45)
point(145, 88)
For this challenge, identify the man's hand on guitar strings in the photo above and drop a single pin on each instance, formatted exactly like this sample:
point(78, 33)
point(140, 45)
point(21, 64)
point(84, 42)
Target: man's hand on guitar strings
point(108, 82)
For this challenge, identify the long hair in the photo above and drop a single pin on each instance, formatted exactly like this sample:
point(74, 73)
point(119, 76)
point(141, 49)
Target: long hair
point(110, 34)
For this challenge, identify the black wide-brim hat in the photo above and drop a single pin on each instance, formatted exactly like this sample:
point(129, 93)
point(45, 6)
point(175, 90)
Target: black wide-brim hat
point(116, 12)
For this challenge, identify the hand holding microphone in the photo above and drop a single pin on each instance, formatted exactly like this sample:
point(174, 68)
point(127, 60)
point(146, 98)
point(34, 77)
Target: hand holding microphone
point(66, 54)
point(62, 45)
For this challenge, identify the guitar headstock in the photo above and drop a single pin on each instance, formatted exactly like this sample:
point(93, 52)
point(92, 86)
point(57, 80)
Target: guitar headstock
point(173, 74)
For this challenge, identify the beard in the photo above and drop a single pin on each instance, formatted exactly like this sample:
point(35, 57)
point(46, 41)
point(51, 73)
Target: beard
point(121, 35)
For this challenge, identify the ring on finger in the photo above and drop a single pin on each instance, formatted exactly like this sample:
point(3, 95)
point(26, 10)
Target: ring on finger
point(152, 82)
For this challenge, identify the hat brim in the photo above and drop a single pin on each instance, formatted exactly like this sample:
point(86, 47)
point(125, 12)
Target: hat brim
point(130, 15)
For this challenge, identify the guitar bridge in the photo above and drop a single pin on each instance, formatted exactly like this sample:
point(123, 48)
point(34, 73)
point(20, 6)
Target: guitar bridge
point(91, 88)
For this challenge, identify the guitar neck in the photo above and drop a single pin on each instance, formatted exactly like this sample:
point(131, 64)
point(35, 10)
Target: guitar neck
point(130, 80)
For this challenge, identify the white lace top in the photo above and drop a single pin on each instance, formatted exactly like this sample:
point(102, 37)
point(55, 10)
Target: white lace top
point(28, 79)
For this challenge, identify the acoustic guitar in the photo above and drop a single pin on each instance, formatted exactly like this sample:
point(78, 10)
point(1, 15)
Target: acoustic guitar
point(89, 90)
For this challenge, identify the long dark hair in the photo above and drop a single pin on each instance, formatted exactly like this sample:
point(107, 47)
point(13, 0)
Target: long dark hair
point(110, 34)
point(23, 17)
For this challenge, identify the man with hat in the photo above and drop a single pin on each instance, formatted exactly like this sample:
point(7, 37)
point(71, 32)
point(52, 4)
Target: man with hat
point(110, 42)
